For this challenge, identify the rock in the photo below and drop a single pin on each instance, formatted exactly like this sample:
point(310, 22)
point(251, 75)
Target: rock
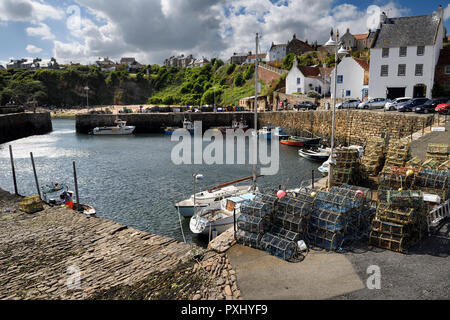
point(232, 272)
point(233, 278)
point(237, 293)
point(224, 273)
point(197, 297)
point(220, 281)
point(228, 290)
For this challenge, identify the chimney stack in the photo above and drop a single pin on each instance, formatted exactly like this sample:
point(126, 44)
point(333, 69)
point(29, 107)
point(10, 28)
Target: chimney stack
point(383, 18)
point(440, 12)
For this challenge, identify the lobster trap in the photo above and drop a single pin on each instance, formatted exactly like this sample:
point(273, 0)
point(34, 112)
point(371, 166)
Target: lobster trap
point(432, 179)
point(252, 224)
point(325, 239)
point(285, 234)
point(395, 180)
point(396, 215)
point(389, 241)
point(344, 201)
point(293, 205)
point(31, 204)
point(432, 163)
point(291, 223)
point(391, 228)
point(248, 239)
point(328, 220)
point(395, 198)
point(257, 209)
point(279, 247)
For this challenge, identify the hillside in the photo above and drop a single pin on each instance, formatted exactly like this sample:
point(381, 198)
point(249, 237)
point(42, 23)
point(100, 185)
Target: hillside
point(154, 84)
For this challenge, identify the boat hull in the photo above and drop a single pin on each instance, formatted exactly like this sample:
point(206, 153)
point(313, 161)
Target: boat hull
point(314, 157)
point(293, 143)
point(220, 226)
point(113, 131)
point(188, 211)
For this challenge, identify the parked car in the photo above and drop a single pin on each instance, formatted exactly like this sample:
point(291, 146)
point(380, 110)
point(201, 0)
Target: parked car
point(443, 108)
point(376, 103)
point(410, 105)
point(348, 104)
point(392, 105)
point(430, 105)
point(305, 105)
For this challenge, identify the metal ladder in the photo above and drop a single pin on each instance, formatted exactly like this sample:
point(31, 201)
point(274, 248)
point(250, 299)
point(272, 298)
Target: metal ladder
point(437, 216)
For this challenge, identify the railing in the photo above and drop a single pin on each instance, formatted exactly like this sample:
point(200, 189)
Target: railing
point(437, 216)
point(273, 69)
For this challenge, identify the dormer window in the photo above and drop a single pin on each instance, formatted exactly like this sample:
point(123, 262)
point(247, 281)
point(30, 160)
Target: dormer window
point(420, 50)
point(385, 53)
point(403, 51)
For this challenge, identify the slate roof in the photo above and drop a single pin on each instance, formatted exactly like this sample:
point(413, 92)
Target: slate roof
point(408, 31)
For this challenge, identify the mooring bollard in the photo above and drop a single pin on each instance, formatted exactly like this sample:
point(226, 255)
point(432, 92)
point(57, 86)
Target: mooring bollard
point(78, 206)
point(13, 170)
point(35, 175)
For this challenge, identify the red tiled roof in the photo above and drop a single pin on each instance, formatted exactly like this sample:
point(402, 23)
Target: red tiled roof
point(253, 56)
point(310, 72)
point(444, 57)
point(362, 63)
point(448, 38)
point(326, 72)
point(360, 36)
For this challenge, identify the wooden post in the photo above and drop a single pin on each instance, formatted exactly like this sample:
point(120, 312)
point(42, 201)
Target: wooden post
point(13, 170)
point(35, 175)
point(312, 174)
point(234, 218)
point(76, 187)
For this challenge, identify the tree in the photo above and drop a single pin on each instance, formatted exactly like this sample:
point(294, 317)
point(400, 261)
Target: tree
point(208, 96)
point(231, 68)
point(313, 94)
point(248, 73)
point(239, 80)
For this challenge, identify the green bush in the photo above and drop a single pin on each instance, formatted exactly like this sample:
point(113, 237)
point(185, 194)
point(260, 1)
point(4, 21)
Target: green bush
point(231, 68)
point(239, 80)
point(313, 94)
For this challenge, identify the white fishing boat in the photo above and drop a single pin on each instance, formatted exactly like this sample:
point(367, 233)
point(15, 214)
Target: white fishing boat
point(218, 216)
point(121, 128)
point(203, 199)
point(53, 192)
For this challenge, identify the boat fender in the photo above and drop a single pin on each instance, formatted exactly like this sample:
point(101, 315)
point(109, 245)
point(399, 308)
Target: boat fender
point(359, 194)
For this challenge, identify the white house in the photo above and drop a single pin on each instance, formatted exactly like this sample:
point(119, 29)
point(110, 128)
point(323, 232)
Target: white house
point(304, 79)
point(404, 55)
point(252, 58)
point(277, 52)
point(352, 79)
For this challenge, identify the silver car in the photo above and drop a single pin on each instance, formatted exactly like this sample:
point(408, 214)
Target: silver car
point(349, 104)
point(376, 103)
point(392, 106)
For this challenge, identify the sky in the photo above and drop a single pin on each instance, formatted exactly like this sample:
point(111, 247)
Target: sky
point(152, 30)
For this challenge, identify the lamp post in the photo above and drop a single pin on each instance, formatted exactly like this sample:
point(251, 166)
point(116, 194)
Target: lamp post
point(196, 177)
point(215, 99)
point(334, 44)
point(87, 96)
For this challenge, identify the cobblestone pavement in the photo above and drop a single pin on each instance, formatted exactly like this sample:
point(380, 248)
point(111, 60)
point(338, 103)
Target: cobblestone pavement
point(43, 255)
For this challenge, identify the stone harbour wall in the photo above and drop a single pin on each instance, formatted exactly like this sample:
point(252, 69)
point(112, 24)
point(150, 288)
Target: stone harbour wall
point(21, 125)
point(352, 126)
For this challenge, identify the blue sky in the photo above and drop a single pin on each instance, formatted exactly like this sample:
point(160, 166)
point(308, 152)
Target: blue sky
point(154, 29)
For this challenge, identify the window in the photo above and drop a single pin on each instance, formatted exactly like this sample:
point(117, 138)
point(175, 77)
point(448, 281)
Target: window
point(403, 51)
point(419, 69)
point(420, 50)
point(298, 80)
point(299, 90)
point(340, 79)
point(385, 53)
point(401, 70)
point(447, 69)
point(384, 70)
point(348, 93)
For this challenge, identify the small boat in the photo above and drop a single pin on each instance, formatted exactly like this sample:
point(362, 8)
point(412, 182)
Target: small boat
point(218, 216)
point(325, 167)
point(266, 132)
point(292, 142)
point(85, 208)
point(313, 155)
point(234, 126)
point(52, 193)
point(204, 198)
point(188, 125)
point(168, 131)
point(281, 135)
point(307, 141)
point(121, 128)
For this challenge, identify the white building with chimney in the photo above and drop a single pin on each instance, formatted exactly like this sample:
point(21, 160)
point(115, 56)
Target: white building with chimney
point(404, 55)
point(352, 79)
point(302, 79)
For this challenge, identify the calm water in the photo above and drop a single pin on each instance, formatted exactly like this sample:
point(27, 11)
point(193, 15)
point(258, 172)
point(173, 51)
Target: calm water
point(129, 179)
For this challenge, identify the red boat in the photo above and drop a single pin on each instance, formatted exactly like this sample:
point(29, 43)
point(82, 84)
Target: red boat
point(292, 142)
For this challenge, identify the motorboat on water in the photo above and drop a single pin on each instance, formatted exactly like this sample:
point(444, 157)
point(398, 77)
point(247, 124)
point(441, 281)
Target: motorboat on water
point(234, 126)
point(292, 141)
point(204, 198)
point(121, 128)
point(268, 131)
point(188, 125)
point(52, 193)
point(311, 154)
point(218, 216)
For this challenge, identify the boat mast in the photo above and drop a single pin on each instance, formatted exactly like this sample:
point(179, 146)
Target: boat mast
point(255, 147)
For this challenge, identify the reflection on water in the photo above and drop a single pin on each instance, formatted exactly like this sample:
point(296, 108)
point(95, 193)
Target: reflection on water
point(129, 179)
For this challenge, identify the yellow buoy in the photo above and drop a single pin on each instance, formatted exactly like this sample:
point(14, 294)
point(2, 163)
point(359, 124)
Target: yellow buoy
point(313, 194)
point(400, 189)
point(409, 173)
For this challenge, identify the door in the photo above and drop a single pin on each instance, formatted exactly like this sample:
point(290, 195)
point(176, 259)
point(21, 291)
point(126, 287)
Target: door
point(393, 93)
point(419, 91)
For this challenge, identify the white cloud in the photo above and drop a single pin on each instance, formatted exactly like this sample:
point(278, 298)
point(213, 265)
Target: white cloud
point(33, 49)
point(28, 11)
point(41, 30)
point(447, 13)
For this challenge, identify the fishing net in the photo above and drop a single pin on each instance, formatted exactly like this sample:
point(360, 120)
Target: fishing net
point(248, 239)
point(279, 247)
point(252, 224)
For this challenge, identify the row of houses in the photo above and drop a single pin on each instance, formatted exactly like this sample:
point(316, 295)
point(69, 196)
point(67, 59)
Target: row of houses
point(36, 63)
point(185, 61)
point(407, 58)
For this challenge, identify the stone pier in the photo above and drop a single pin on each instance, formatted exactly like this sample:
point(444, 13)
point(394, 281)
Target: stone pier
point(20, 125)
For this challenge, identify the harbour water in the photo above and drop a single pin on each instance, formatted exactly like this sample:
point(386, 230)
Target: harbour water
point(130, 179)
